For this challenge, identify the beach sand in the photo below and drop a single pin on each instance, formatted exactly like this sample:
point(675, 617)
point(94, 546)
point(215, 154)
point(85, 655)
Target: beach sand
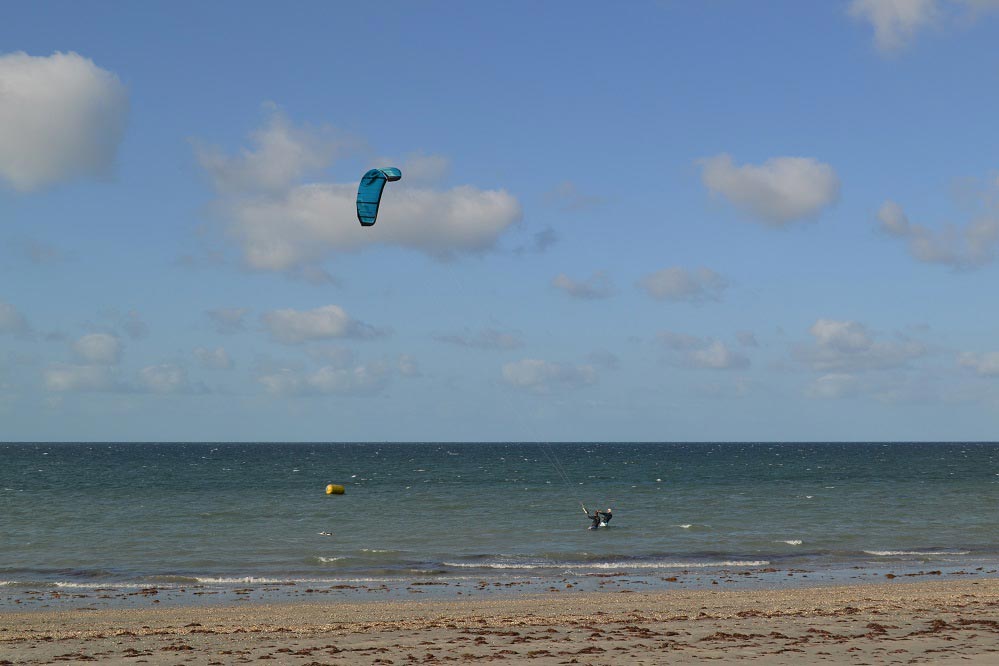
point(886, 623)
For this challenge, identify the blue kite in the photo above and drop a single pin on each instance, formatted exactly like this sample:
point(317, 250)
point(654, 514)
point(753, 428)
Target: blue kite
point(369, 193)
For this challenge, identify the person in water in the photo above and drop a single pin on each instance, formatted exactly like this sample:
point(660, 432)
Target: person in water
point(598, 517)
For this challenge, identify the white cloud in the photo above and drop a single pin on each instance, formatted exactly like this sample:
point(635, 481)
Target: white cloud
point(11, 321)
point(283, 225)
point(281, 155)
point(541, 376)
point(322, 323)
point(778, 192)
point(718, 357)
point(360, 379)
point(694, 352)
point(833, 386)
point(215, 359)
point(66, 378)
point(61, 117)
point(312, 221)
point(985, 365)
point(970, 246)
point(487, 338)
point(598, 285)
point(98, 349)
point(850, 346)
point(895, 22)
point(680, 284)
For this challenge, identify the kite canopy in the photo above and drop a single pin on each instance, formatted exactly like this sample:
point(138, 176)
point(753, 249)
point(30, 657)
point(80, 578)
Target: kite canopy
point(369, 193)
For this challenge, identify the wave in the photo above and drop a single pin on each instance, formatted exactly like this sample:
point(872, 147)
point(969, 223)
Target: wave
point(70, 585)
point(254, 580)
point(791, 542)
point(915, 553)
point(617, 566)
point(171, 578)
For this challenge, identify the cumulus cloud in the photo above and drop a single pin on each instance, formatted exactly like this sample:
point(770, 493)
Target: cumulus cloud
point(487, 338)
point(895, 22)
point(540, 376)
point(985, 365)
point(596, 286)
point(680, 284)
point(964, 247)
point(228, 321)
point(359, 379)
point(778, 192)
point(850, 346)
point(311, 221)
point(70, 378)
point(282, 224)
point(322, 323)
point(280, 156)
point(11, 321)
point(695, 352)
point(98, 349)
point(61, 117)
point(214, 359)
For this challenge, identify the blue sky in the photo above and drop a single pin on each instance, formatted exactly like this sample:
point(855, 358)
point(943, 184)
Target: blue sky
point(652, 221)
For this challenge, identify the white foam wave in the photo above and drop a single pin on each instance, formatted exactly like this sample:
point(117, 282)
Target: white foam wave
point(609, 565)
point(889, 553)
point(253, 580)
point(791, 542)
point(330, 559)
point(686, 526)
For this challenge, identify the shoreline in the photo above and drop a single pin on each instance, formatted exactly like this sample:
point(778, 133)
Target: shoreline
point(885, 622)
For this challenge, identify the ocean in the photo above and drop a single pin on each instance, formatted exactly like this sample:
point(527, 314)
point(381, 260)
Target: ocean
point(223, 518)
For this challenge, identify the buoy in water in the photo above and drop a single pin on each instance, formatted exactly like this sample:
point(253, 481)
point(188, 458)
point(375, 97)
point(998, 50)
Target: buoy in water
point(334, 489)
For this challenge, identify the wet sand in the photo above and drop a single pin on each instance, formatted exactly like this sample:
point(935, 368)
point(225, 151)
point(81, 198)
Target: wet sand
point(886, 623)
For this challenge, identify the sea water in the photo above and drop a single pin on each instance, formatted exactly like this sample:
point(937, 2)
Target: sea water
point(230, 514)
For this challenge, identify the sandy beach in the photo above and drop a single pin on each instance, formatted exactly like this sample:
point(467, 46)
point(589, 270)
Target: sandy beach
point(886, 623)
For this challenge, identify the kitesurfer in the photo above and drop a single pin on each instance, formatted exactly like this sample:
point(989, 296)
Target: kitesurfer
point(599, 518)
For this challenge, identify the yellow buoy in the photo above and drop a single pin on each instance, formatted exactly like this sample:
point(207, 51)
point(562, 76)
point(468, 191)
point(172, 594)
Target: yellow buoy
point(334, 489)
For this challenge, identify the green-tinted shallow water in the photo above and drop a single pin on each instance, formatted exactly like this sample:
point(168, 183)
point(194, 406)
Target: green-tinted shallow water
point(226, 514)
